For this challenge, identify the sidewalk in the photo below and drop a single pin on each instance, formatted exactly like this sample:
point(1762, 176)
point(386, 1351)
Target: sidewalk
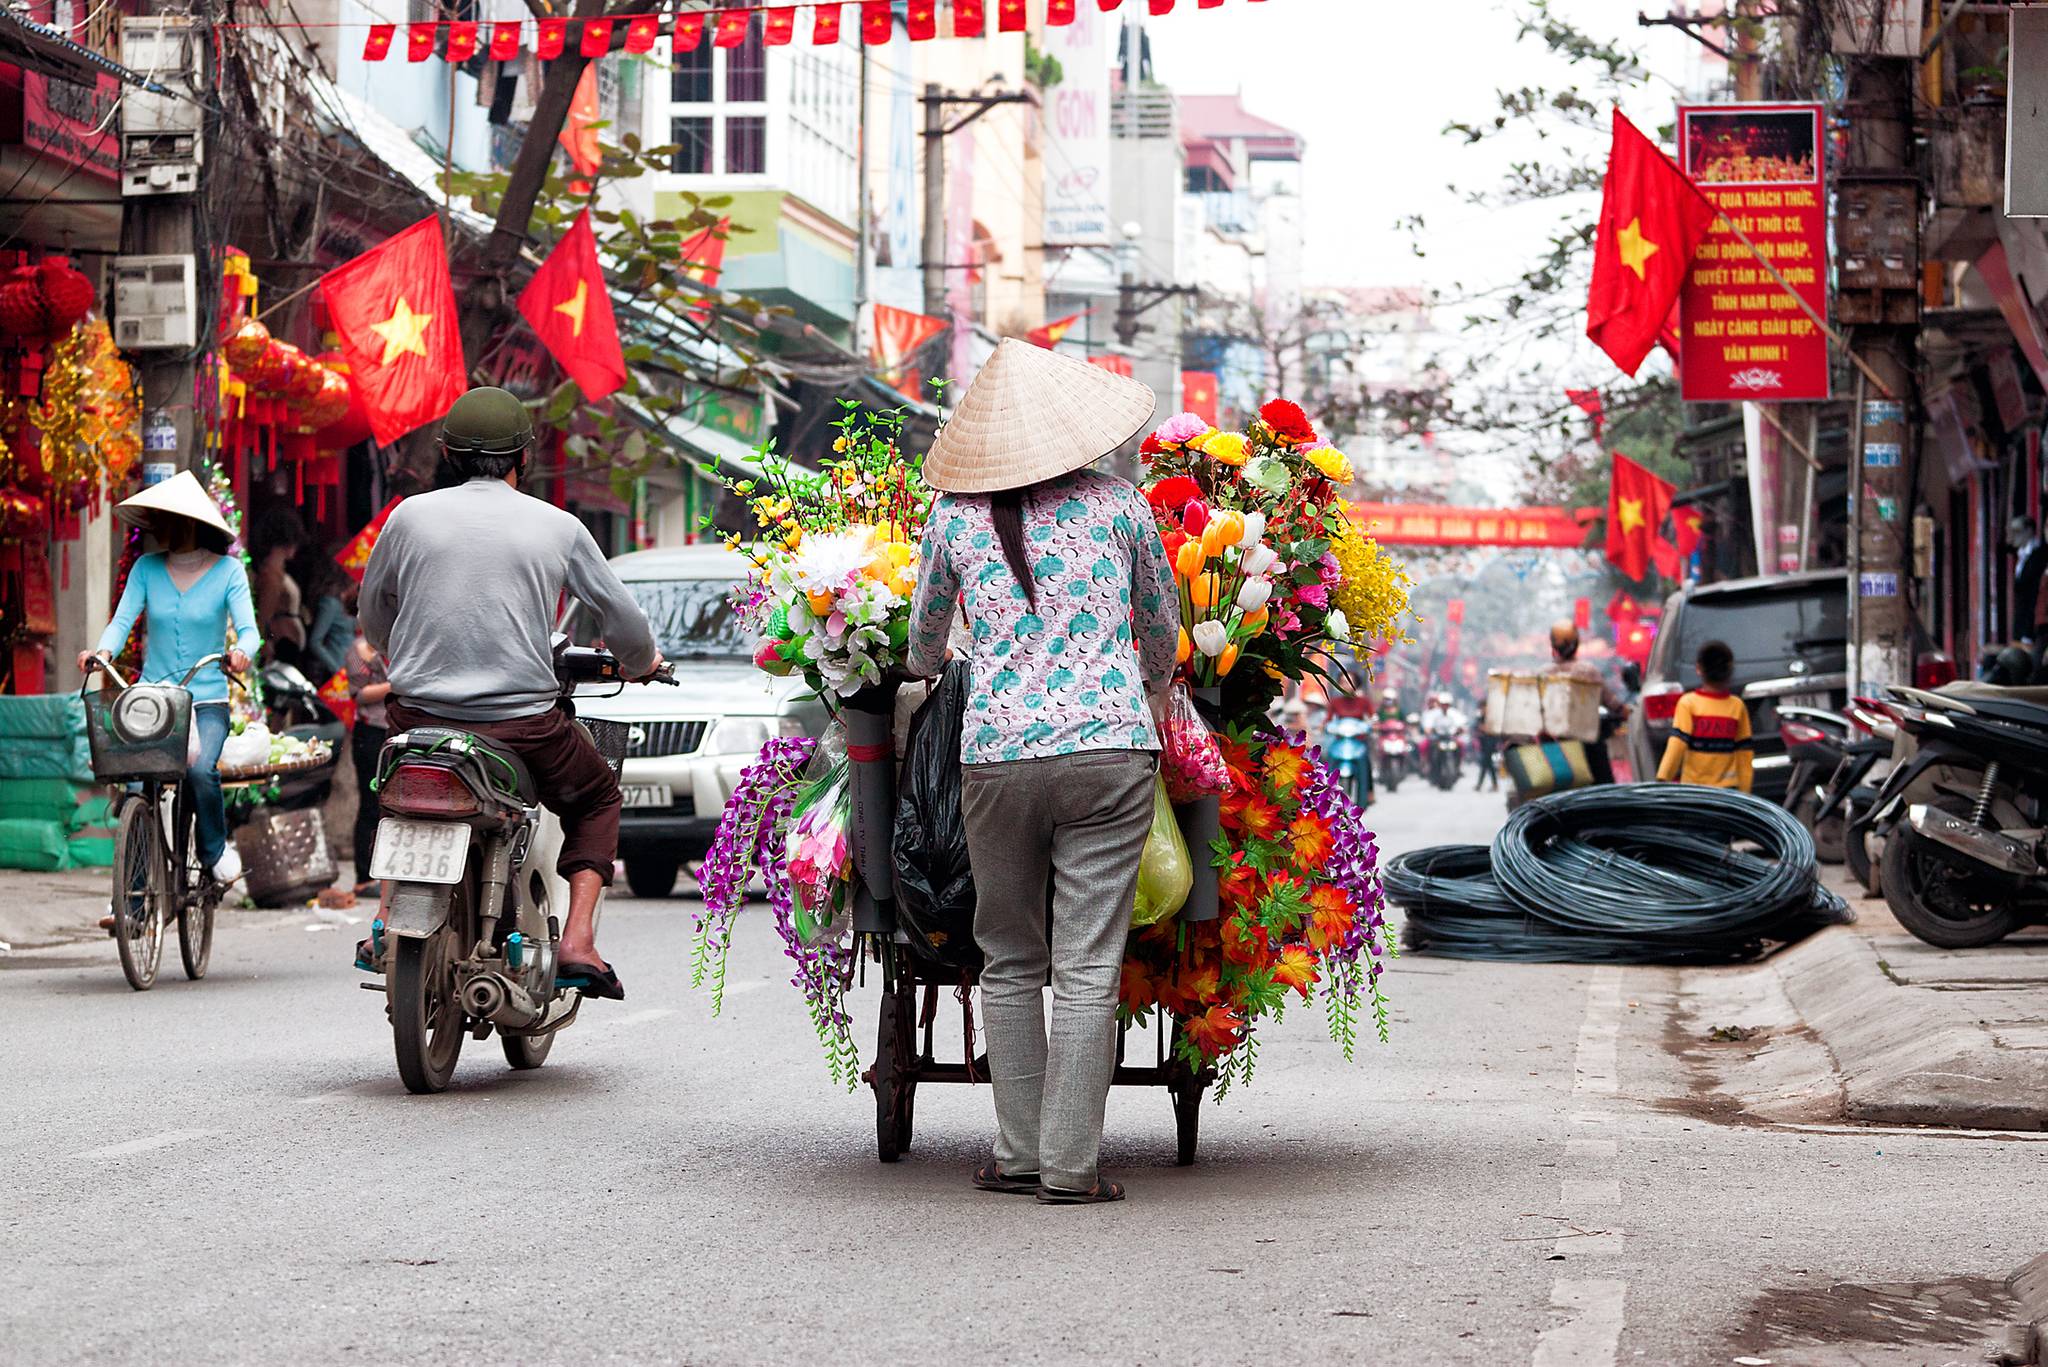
point(60, 907)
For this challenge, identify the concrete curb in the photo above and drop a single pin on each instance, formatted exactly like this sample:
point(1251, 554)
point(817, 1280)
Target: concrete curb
point(1909, 1056)
point(2030, 1287)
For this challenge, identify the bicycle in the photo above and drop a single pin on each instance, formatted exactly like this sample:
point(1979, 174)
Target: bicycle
point(140, 736)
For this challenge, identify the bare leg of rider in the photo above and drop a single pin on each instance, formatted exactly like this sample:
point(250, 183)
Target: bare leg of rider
point(579, 936)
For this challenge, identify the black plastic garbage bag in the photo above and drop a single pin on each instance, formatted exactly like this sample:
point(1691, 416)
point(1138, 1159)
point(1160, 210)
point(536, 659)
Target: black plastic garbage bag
point(934, 886)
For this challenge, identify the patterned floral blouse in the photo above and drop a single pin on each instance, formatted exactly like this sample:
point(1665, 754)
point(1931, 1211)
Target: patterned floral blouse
point(1073, 674)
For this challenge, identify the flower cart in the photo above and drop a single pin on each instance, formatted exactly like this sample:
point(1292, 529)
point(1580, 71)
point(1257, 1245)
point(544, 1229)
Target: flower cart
point(1281, 898)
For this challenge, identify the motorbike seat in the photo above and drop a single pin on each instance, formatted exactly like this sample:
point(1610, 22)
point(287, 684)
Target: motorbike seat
point(1971, 691)
point(2020, 711)
point(508, 773)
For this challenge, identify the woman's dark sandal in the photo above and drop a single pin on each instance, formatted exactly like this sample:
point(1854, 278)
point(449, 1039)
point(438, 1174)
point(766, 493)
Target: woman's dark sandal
point(1095, 1195)
point(592, 980)
point(988, 1177)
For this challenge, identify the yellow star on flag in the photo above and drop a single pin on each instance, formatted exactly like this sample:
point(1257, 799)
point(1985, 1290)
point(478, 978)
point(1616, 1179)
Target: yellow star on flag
point(1631, 513)
point(404, 332)
point(573, 307)
point(1635, 248)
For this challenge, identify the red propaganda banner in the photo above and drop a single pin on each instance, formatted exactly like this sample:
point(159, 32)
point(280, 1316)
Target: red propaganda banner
point(1396, 524)
point(1744, 336)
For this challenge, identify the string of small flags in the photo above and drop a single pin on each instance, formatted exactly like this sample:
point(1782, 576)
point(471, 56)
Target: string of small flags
point(504, 40)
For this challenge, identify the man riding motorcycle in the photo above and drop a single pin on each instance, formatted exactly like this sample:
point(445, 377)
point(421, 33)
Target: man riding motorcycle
point(460, 596)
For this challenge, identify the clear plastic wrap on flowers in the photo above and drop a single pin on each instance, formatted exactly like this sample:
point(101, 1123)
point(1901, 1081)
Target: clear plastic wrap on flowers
point(1190, 761)
point(820, 850)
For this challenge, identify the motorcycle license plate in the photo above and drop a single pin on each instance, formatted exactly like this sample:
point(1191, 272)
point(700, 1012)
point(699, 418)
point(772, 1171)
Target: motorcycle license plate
point(647, 794)
point(1801, 700)
point(419, 851)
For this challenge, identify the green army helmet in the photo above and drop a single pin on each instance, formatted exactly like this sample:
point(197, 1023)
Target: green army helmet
point(487, 421)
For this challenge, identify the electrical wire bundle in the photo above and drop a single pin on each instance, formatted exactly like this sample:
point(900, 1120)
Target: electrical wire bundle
point(1629, 873)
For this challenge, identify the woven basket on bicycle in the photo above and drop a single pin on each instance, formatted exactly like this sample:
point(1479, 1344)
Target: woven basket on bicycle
point(140, 732)
point(611, 738)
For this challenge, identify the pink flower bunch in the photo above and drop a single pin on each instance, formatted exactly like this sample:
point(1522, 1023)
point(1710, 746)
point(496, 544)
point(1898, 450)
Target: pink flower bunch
point(1181, 428)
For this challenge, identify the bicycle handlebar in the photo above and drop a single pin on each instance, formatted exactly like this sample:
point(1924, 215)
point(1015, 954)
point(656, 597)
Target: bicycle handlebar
point(99, 662)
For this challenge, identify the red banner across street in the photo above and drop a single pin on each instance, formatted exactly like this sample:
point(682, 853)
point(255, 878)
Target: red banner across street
point(1396, 524)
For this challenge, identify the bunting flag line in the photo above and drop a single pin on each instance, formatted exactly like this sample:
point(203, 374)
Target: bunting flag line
point(593, 38)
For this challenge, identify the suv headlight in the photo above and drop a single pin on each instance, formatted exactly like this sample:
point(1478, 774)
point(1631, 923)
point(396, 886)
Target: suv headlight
point(737, 736)
point(789, 725)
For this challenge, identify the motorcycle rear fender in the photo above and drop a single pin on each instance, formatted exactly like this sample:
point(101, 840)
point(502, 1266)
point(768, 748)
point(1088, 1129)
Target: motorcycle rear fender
point(417, 910)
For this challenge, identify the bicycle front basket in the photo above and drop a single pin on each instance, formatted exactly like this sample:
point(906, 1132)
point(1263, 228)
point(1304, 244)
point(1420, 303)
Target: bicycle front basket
point(139, 732)
point(610, 737)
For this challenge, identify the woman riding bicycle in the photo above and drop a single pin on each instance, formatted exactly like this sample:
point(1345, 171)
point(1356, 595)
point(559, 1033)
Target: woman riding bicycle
point(187, 593)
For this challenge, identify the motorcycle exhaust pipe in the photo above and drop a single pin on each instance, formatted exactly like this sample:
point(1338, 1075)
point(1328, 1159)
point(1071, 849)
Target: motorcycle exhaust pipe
point(491, 997)
point(1993, 848)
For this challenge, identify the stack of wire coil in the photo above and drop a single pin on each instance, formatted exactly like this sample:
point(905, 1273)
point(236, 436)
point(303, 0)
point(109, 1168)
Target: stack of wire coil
point(1628, 873)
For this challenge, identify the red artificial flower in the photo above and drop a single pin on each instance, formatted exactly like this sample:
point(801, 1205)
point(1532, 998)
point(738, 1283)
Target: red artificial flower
point(1239, 887)
point(1151, 446)
point(1258, 818)
point(1137, 989)
point(1215, 1032)
point(1174, 538)
point(1330, 917)
point(1194, 516)
point(1310, 835)
point(1284, 766)
point(1288, 422)
point(1244, 941)
point(1296, 968)
point(1173, 492)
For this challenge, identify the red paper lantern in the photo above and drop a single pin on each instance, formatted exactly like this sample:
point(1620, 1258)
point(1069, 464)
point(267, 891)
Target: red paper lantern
point(354, 424)
point(67, 293)
point(21, 305)
point(245, 345)
point(271, 375)
point(329, 403)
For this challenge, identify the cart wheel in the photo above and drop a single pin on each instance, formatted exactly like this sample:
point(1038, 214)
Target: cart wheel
point(1187, 1117)
point(895, 1080)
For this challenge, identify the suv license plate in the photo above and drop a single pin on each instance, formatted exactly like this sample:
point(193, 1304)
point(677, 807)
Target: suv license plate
point(420, 851)
point(647, 794)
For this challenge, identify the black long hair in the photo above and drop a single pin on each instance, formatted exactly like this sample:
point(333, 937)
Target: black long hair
point(1006, 510)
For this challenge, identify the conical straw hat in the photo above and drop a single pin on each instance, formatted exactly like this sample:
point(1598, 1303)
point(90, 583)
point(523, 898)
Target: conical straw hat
point(180, 495)
point(1032, 414)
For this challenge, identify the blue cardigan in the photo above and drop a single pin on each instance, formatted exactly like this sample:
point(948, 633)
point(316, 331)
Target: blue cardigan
point(185, 627)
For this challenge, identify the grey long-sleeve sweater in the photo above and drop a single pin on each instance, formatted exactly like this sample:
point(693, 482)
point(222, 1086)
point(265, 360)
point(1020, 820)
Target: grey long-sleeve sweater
point(461, 594)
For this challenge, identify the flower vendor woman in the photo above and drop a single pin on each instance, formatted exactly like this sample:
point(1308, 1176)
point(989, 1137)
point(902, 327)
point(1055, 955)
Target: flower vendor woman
point(1075, 622)
point(188, 592)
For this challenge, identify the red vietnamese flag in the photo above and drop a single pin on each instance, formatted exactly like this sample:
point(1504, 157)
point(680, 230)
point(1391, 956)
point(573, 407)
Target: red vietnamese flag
point(779, 27)
point(641, 31)
point(825, 25)
point(1108, 5)
point(571, 312)
point(1685, 529)
point(377, 46)
point(922, 20)
point(899, 334)
point(1589, 401)
point(967, 18)
point(1651, 222)
point(1009, 16)
point(461, 40)
point(877, 23)
point(1198, 394)
point(732, 26)
point(577, 137)
point(1162, 6)
point(689, 31)
point(597, 38)
point(1058, 12)
point(1048, 335)
point(394, 308)
point(419, 41)
point(1636, 504)
point(504, 40)
point(703, 261)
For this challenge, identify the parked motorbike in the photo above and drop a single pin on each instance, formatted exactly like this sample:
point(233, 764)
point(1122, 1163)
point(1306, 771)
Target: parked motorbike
point(1345, 744)
point(1393, 751)
point(1850, 793)
point(1965, 858)
point(467, 934)
point(1815, 741)
point(292, 706)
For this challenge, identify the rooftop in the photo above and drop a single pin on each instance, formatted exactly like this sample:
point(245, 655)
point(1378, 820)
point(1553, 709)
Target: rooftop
point(1217, 118)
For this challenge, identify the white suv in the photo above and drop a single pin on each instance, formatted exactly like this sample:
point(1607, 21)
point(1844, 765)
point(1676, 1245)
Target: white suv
point(688, 744)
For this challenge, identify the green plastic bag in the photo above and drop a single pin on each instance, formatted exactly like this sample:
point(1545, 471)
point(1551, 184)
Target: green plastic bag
point(1165, 873)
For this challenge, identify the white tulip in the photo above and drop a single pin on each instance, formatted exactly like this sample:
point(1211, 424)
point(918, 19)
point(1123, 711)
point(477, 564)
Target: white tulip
point(1338, 625)
point(1259, 559)
point(1254, 528)
point(1211, 637)
point(1254, 594)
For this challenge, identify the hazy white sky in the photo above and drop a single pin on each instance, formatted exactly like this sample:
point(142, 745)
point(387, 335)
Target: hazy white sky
point(1371, 84)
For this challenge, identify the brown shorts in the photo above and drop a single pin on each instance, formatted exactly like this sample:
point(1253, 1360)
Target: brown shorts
point(574, 781)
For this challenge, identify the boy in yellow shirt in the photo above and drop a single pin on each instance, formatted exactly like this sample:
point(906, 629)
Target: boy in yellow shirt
point(1710, 739)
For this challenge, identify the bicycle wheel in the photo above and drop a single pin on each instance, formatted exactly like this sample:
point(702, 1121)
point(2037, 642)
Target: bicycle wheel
point(141, 878)
point(196, 895)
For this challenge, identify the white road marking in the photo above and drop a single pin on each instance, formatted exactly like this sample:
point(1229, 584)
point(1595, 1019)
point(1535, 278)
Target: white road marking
point(1592, 1334)
point(144, 1145)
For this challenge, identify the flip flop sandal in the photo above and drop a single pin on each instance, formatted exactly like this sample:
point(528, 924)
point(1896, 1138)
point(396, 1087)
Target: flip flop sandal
point(364, 961)
point(1095, 1195)
point(592, 980)
point(989, 1178)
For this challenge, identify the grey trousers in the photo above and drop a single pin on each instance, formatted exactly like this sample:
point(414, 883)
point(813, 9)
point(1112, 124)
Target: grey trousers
point(1079, 821)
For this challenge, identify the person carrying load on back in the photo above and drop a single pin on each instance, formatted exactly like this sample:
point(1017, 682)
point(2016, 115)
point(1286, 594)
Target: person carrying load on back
point(1565, 663)
point(460, 597)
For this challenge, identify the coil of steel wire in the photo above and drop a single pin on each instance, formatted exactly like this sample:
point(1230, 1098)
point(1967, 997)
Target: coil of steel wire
point(1629, 873)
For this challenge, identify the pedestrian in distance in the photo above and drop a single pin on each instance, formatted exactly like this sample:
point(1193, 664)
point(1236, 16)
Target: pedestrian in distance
point(1710, 739)
point(187, 593)
point(370, 687)
point(1074, 620)
point(1489, 767)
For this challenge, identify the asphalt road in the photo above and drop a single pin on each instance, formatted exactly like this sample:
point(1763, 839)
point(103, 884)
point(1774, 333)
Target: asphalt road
point(229, 1171)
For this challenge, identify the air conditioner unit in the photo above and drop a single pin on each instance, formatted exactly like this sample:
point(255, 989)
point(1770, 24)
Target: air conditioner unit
point(162, 141)
point(155, 307)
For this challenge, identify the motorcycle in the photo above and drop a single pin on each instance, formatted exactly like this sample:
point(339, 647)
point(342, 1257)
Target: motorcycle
point(1815, 741)
point(292, 706)
point(467, 934)
point(1344, 742)
point(1965, 858)
point(1851, 791)
point(1393, 751)
point(1442, 757)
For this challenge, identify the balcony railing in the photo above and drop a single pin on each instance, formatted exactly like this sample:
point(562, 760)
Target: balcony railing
point(1144, 114)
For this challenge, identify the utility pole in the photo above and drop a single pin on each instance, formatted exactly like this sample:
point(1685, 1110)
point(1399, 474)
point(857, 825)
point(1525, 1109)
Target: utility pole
point(1878, 295)
point(863, 248)
point(1746, 52)
point(936, 130)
